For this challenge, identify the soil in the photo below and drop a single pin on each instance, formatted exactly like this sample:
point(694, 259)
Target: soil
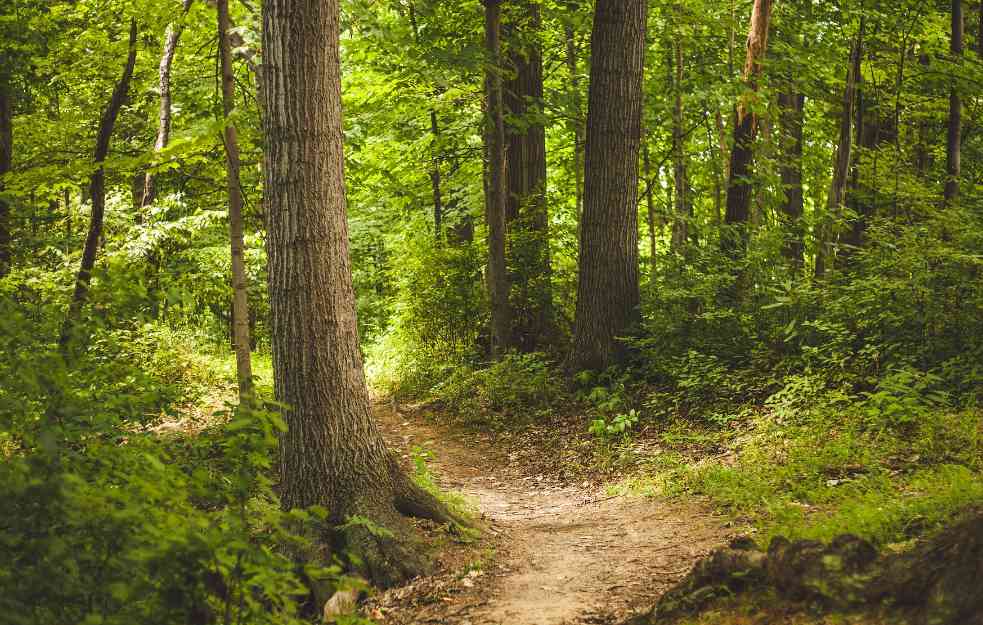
point(551, 552)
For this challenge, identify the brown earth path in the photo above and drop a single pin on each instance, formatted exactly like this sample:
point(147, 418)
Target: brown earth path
point(563, 554)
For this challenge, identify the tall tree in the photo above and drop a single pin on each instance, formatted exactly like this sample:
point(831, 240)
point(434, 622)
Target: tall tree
point(607, 288)
point(953, 166)
point(332, 454)
point(682, 208)
point(6, 158)
point(171, 37)
point(526, 210)
point(496, 192)
point(792, 116)
point(576, 117)
point(738, 212)
point(240, 296)
point(97, 189)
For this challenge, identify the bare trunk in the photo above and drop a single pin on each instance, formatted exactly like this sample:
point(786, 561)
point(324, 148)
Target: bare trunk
point(649, 203)
point(332, 453)
point(240, 295)
point(681, 210)
point(497, 189)
point(438, 209)
point(577, 122)
point(607, 289)
point(171, 37)
point(97, 191)
point(792, 107)
point(953, 166)
point(6, 160)
point(841, 166)
point(738, 212)
point(526, 210)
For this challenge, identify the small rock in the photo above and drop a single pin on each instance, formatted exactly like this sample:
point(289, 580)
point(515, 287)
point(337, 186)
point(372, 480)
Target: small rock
point(341, 603)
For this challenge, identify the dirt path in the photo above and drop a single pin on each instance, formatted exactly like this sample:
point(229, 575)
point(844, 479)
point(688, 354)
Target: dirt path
point(562, 554)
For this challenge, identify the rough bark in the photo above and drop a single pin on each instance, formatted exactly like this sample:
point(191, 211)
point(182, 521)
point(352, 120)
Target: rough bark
point(607, 289)
point(6, 159)
point(841, 164)
point(738, 210)
point(792, 107)
point(171, 37)
point(526, 210)
point(97, 190)
point(333, 454)
point(953, 166)
point(496, 192)
point(240, 295)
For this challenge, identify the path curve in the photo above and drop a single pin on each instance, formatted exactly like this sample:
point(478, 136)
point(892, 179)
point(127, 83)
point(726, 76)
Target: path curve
point(566, 554)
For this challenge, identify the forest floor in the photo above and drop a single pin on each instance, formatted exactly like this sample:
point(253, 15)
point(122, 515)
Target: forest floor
point(551, 552)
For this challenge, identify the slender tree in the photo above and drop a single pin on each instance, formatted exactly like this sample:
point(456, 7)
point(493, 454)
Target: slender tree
point(171, 37)
point(332, 454)
point(577, 117)
point(682, 207)
point(953, 166)
point(240, 296)
point(496, 192)
point(526, 210)
point(738, 212)
point(97, 189)
point(607, 289)
point(792, 116)
point(6, 158)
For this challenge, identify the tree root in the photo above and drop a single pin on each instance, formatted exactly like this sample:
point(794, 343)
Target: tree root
point(939, 582)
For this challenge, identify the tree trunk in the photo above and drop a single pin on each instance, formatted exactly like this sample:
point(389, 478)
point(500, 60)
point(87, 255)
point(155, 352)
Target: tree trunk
point(526, 210)
point(438, 208)
point(649, 204)
point(841, 165)
point(952, 161)
point(6, 161)
point(577, 121)
point(171, 37)
point(792, 106)
point(607, 289)
point(97, 191)
point(332, 453)
point(738, 211)
point(240, 295)
point(497, 189)
point(681, 210)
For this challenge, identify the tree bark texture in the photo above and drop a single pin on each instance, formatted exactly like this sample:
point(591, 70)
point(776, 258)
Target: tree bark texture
point(526, 210)
point(496, 192)
point(171, 37)
point(97, 190)
point(738, 210)
point(332, 454)
point(6, 162)
point(792, 112)
point(240, 295)
point(953, 166)
point(607, 289)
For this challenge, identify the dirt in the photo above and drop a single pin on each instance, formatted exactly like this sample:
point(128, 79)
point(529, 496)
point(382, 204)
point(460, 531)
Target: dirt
point(552, 552)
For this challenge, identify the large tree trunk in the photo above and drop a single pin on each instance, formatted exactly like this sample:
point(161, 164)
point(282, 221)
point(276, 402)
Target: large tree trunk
point(6, 158)
point(332, 454)
point(171, 37)
point(240, 295)
point(738, 211)
point(97, 190)
point(526, 209)
point(496, 192)
point(841, 165)
point(792, 107)
point(953, 144)
point(607, 289)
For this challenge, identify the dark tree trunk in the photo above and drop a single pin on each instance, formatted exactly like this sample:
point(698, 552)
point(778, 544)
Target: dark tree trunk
point(952, 161)
point(438, 208)
point(240, 296)
point(332, 454)
point(496, 192)
point(607, 289)
point(6, 158)
point(841, 165)
point(649, 203)
point(97, 191)
point(171, 37)
point(792, 113)
point(738, 211)
point(526, 210)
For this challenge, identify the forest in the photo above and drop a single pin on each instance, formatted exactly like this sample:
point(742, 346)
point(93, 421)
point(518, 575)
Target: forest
point(491, 312)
